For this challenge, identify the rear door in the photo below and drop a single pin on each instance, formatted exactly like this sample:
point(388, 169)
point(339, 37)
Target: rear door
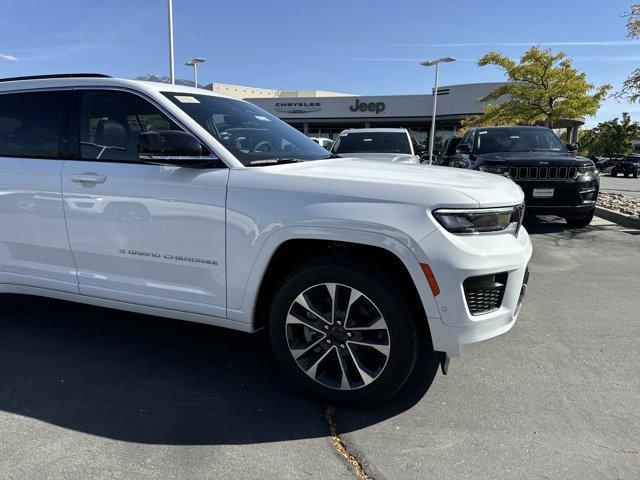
point(34, 248)
point(146, 234)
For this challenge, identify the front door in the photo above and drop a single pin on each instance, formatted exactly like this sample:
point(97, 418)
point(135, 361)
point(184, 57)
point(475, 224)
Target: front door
point(146, 234)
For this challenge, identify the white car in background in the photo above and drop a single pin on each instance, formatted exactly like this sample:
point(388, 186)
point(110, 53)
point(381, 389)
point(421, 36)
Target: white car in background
point(383, 144)
point(184, 203)
point(326, 143)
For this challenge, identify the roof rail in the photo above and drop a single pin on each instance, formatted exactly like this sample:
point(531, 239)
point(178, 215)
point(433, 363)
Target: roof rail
point(57, 75)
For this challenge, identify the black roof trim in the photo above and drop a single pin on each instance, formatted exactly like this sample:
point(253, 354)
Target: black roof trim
point(57, 75)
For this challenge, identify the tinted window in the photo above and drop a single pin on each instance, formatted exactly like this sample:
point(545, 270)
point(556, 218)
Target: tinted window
point(110, 122)
point(452, 145)
point(372, 142)
point(467, 139)
point(251, 134)
point(514, 139)
point(31, 124)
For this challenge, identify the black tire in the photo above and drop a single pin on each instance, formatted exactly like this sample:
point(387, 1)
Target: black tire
point(626, 175)
point(635, 175)
point(613, 173)
point(391, 301)
point(582, 221)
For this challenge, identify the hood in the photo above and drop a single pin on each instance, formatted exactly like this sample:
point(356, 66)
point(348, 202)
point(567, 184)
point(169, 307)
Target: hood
point(387, 157)
point(532, 158)
point(419, 184)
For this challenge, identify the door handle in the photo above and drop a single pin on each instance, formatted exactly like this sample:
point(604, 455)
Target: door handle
point(88, 178)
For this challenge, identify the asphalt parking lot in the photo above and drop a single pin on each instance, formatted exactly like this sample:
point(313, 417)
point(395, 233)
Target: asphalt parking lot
point(625, 186)
point(93, 393)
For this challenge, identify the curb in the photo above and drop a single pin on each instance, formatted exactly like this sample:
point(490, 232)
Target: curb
point(620, 218)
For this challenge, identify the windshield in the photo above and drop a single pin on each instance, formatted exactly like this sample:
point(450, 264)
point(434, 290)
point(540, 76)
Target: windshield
point(632, 159)
point(517, 140)
point(247, 131)
point(372, 142)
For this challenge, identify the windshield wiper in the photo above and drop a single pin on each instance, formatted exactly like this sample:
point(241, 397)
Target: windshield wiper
point(275, 161)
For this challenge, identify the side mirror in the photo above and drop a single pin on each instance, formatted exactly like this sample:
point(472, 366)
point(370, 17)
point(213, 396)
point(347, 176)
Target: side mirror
point(572, 147)
point(463, 148)
point(173, 147)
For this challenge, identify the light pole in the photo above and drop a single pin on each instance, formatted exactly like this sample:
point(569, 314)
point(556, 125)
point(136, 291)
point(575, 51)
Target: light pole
point(194, 63)
point(429, 63)
point(172, 76)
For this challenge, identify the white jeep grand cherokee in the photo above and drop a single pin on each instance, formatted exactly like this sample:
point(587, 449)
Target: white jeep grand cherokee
point(182, 203)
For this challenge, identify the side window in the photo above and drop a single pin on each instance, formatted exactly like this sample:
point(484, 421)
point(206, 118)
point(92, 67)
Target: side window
point(31, 125)
point(110, 122)
point(472, 136)
point(416, 146)
point(467, 139)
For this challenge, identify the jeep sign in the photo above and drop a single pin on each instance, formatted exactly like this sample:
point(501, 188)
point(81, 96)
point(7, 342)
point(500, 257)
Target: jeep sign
point(367, 107)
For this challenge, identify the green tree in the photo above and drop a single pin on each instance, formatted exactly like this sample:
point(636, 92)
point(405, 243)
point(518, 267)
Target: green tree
point(541, 88)
point(612, 138)
point(631, 86)
point(591, 142)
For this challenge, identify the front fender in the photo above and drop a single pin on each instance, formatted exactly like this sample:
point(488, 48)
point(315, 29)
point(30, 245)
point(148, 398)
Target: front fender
point(272, 243)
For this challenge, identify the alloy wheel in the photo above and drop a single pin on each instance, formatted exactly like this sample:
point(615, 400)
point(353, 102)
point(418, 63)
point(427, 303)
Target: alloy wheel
point(338, 336)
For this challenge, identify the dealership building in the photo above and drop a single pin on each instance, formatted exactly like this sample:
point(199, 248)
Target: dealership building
point(320, 113)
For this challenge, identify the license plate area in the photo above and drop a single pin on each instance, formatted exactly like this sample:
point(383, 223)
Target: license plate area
point(543, 192)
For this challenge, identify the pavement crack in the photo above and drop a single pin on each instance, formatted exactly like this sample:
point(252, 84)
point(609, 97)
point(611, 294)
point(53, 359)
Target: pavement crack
point(341, 448)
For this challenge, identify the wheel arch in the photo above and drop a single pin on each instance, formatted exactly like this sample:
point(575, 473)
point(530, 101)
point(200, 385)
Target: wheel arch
point(289, 247)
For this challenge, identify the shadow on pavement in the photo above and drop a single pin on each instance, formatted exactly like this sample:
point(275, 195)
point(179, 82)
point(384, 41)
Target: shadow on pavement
point(151, 380)
point(542, 225)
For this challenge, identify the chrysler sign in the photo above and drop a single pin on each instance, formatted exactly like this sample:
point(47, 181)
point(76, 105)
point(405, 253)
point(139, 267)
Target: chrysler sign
point(310, 106)
point(298, 107)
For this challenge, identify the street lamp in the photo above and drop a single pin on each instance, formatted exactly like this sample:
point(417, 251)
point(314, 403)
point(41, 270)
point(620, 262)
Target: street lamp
point(194, 63)
point(430, 63)
point(172, 76)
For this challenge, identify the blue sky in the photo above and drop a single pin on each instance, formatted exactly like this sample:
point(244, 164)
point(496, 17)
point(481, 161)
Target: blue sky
point(355, 46)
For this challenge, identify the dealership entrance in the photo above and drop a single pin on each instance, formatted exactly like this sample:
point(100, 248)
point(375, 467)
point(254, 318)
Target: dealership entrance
point(326, 114)
point(419, 127)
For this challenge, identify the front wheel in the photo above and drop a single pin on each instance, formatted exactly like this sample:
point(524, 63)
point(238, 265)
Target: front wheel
point(581, 221)
point(343, 331)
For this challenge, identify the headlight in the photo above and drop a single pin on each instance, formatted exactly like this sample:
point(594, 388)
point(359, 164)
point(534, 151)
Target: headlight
point(481, 220)
point(497, 169)
point(584, 169)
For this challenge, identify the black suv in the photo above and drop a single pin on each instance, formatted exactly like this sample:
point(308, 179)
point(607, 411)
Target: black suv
point(553, 179)
point(630, 165)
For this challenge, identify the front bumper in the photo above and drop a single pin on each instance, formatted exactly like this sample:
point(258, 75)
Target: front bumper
point(569, 198)
point(453, 259)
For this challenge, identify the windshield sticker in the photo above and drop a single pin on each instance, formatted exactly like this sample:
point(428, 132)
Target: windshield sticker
point(186, 99)
point(368, 140)
point(482, 133)
point(262, 119)
point(515, 136)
